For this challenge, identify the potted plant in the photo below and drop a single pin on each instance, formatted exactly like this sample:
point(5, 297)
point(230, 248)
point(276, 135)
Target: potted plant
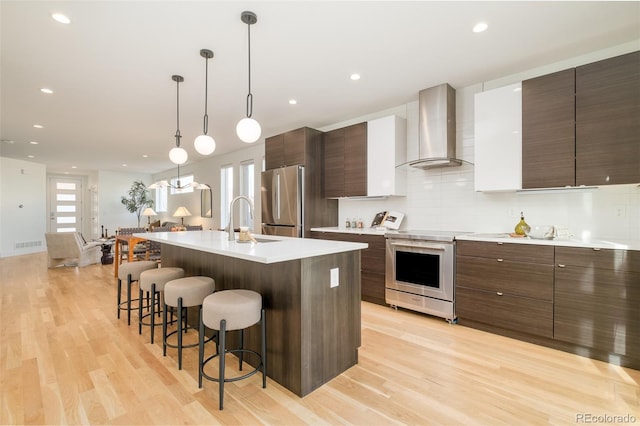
point(138, 199)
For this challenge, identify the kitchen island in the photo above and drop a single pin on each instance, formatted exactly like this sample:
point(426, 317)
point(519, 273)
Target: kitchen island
point(313, 319)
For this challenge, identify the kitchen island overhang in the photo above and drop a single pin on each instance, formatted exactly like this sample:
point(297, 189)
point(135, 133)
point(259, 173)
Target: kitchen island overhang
point(313, 326)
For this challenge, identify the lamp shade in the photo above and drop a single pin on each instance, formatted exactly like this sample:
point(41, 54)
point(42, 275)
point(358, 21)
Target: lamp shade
point(205, 144)
point(248, 130)
point(148, 212)
point(178, 155)
point(181, 212)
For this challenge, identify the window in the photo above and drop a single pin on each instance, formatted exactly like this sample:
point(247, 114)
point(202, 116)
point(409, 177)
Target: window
point(226, 193)
point(185, 181)
point(161, 200)
point(246, 188)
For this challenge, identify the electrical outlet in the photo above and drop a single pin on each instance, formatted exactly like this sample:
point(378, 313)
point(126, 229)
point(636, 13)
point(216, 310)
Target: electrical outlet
point(335, 277)
point(621, 211)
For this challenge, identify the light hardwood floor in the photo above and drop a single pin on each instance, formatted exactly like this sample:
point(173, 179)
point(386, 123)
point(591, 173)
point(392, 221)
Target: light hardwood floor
point(66, 359)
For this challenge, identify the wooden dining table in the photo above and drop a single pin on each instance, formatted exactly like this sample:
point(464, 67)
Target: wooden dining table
point(131, 241)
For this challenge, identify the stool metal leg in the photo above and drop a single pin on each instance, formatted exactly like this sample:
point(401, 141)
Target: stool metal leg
point(263, 347)
point(180, 330)
point(164, 329)
point(119, 295)
point(129, 299)
point(223, 348)
point(139, 311)
point(241, 355)
point(153, 310)
point(200, 350)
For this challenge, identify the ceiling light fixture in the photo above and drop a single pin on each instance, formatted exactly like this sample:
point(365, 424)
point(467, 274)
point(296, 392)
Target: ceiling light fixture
point(293, 102)
point(47, 91)
point(38, 126)
point(178, 155)
point(248, 129)
point(33, 143)
point(204, 143)
point(163, 183)
point(355, 77)
point(480, 27)
point(59, 17)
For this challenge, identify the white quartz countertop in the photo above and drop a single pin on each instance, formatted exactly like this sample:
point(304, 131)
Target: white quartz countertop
point(268, 249)
point(594, 243)
point(359, 231)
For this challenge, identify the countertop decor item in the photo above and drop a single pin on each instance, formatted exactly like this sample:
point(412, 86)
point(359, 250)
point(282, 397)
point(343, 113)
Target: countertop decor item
point(522, 227)
point(248, 129)
point(181, 212)
point(546, 232)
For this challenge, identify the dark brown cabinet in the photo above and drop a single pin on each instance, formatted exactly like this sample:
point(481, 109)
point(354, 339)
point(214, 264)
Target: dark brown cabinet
point(548, 130)
point(597, 300)
point(287, 149)
point(345, 162)
point(372, 261)
point(580, 126)
point(608, 121)
point(505, 286)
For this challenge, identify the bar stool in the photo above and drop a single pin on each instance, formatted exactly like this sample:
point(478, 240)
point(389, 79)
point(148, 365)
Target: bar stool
point(182, 294)
point(232, 310)
point(131, 271)
point(153, 281)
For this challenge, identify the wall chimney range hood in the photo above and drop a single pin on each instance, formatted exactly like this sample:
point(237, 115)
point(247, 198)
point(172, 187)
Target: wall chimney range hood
point(437, 128)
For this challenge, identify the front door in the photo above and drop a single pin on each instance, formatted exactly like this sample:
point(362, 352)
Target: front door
point(65, 204)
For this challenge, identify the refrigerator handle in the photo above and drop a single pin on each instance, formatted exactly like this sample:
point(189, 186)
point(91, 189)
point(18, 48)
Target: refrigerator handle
point(278, 196)
point(275, 195)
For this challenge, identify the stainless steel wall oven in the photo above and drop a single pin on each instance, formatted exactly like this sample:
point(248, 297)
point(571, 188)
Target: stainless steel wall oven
point(420, 271)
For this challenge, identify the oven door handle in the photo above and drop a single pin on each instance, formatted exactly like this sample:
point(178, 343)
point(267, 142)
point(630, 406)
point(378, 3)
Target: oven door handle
point(422, 246)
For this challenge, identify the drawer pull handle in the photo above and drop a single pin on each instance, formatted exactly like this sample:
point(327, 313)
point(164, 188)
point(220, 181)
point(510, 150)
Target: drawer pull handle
point(596, 249)
point(500, 244)
point(499, 293)
point(561, 265)
point(500, 260)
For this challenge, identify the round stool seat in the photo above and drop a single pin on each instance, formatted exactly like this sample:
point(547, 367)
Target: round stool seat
point(192, 290)
point(240, 308)
point(135, 269)
point(160, 277)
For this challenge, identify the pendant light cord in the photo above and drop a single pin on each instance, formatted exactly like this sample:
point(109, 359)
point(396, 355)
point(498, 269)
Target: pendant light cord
point(249, 96)
point(206, 90)
point(178, 136)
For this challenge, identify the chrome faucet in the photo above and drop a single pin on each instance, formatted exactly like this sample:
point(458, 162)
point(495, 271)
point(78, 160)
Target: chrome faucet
point(231, 221)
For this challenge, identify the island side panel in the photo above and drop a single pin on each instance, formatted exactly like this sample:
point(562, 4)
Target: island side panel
point(331, 327)
point(279, 285)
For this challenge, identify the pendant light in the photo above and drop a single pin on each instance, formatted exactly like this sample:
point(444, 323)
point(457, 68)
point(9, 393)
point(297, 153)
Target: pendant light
point(178, 155)
point(248, 129)
point(204, 143)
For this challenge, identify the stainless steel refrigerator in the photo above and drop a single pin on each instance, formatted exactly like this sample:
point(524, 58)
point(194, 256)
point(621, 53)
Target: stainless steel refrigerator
point(282, 201)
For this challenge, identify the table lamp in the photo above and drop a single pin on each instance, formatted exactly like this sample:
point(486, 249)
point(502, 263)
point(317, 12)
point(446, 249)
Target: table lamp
point(181, 212)
point(148, 212)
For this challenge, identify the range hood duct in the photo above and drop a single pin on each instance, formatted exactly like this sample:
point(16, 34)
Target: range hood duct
point(437, 128)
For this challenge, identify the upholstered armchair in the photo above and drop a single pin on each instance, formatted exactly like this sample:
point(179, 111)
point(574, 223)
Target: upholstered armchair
point(70, 249)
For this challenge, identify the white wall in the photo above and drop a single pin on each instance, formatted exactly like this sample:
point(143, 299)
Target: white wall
point(208, 171)
point(22, 207)
point(444, 199)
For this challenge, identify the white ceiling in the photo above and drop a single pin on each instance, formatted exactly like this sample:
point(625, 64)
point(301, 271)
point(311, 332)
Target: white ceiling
point(111, 67)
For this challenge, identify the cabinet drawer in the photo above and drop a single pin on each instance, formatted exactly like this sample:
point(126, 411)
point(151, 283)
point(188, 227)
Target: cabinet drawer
point(618, 260)
point(533, 280)
point(511, 251)
point(507, 312)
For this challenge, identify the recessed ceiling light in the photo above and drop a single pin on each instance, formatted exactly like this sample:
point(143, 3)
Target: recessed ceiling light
point(31, 156)
point(59, 17)
point(47, 91)
point(124, 165)
point(74, 167)
point(355, 77)
point(144, 156)
point(38, 126)
point(67, 173)
point(8, 141)
point(480, 27)
point(33, 143)
point(292, 102)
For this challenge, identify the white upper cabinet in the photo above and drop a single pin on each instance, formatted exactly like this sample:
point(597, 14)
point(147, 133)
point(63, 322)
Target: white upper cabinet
point(498, 139)
point(386, 149)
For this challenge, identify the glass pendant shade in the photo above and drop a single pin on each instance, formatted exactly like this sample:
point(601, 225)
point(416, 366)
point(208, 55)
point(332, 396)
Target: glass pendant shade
point(205, 144)
point(178, 155)
point(248, 130)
